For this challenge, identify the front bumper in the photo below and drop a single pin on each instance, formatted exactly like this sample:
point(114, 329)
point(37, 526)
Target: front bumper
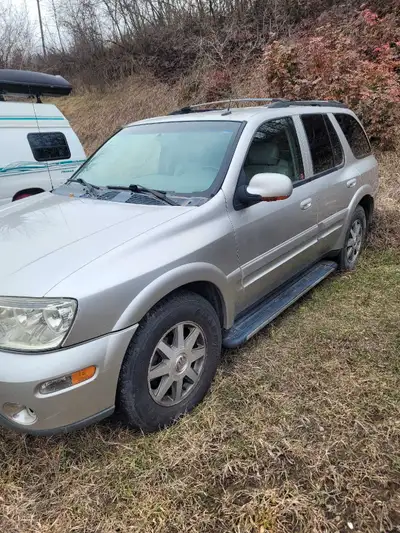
point(22, 374)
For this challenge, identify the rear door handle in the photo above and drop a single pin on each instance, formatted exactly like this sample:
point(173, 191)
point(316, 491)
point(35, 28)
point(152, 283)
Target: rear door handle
point(306, 204)
point(351, 183)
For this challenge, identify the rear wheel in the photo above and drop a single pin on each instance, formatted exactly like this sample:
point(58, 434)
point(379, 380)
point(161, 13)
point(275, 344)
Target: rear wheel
point(171, 362)
point(354, 241)
point(26, 193)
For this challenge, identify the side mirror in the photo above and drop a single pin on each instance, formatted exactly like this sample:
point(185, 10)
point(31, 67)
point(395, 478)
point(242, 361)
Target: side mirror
point(270, 187)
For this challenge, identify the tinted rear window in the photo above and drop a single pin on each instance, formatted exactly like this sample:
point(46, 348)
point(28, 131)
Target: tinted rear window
point(49, 146)
point(354, 134)
point(319, 142)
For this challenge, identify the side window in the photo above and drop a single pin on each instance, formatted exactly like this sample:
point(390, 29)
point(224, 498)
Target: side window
point(354, 134)
point(275, 148)
point(337, 149)
point(319, 142)
point(49, 146)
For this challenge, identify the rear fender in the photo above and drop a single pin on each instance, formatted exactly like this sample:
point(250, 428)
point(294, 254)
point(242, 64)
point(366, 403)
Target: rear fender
point(362, 191)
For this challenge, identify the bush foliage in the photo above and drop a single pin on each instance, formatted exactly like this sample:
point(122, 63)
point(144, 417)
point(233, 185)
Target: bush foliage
point(358, 63)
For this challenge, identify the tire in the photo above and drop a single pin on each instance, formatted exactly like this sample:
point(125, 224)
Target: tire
point(349, 255)
point(140, 400)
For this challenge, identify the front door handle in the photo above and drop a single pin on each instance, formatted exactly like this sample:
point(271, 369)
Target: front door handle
point(351, 183)
point(306, 204)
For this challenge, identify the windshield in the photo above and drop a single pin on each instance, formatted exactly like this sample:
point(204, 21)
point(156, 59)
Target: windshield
point(182, 158)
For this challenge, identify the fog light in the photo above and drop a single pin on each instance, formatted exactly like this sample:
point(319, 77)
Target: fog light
point(58, 384)
point(20, 414)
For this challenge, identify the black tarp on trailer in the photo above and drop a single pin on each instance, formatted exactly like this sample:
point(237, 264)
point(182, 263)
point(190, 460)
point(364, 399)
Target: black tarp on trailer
point(32, 83)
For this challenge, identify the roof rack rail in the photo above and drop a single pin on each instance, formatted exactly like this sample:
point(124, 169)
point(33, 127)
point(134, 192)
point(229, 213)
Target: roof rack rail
point(273, 103)
point(318, 103)
point(194, 108)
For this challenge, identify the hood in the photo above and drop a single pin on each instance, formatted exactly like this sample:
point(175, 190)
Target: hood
point(45, 238)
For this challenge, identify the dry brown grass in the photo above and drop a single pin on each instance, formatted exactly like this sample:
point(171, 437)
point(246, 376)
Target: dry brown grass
point(301, 432)
point(387, 232)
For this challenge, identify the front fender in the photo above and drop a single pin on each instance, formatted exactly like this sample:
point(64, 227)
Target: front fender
point(174, 279)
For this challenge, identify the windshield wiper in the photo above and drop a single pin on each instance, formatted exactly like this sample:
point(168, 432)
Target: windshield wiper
point(161, 195)
point(81, 181)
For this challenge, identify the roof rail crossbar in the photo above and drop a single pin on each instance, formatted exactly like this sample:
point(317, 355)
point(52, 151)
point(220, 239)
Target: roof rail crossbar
point(187, 110)
point(194, 108)
point(317, 103)
point(238, 100)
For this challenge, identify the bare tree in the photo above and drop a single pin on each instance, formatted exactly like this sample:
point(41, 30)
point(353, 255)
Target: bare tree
point(16, 37)
point(102, 40)
point(57, 24)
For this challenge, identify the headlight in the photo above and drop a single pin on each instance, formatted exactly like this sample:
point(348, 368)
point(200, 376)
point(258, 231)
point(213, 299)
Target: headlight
point(34, 324)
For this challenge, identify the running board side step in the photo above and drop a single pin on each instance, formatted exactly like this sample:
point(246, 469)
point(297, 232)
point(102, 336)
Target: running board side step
point(261, 314)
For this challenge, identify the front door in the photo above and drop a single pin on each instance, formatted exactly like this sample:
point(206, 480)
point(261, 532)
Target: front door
point(276, 240)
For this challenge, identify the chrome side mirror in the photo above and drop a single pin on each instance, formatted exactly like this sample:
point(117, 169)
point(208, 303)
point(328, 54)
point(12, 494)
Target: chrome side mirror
point(270, 187)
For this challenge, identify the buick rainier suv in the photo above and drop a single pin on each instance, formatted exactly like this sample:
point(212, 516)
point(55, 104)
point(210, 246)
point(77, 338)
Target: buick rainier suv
point(181, 235)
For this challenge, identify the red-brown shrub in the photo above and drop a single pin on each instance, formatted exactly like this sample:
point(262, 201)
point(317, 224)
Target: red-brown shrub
point(358, 64)
point(216, 85)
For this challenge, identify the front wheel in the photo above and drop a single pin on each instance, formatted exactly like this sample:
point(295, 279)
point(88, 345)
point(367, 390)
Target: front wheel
point(170, 363)
point(354, 240)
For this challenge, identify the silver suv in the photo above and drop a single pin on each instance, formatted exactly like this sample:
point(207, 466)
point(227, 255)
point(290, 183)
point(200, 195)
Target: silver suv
point(180, 235)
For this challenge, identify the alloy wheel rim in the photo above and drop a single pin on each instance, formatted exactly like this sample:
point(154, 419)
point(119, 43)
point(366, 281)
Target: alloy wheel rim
point(354, 242)
point(176, 364)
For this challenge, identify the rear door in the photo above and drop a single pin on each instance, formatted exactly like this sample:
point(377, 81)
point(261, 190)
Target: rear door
point(337, 180)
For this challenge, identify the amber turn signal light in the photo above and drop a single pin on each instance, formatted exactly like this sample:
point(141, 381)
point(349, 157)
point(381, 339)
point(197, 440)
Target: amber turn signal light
point(83, 375)
point(58, 384)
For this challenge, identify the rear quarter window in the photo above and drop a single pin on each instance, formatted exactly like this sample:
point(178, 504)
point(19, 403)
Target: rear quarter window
point(49, 146)
point(354, 134)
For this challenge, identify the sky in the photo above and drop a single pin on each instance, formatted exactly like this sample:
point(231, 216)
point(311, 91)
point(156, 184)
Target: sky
point(31, 8)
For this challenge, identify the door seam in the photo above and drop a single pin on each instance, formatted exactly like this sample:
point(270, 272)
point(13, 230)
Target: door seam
point(236, 241)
